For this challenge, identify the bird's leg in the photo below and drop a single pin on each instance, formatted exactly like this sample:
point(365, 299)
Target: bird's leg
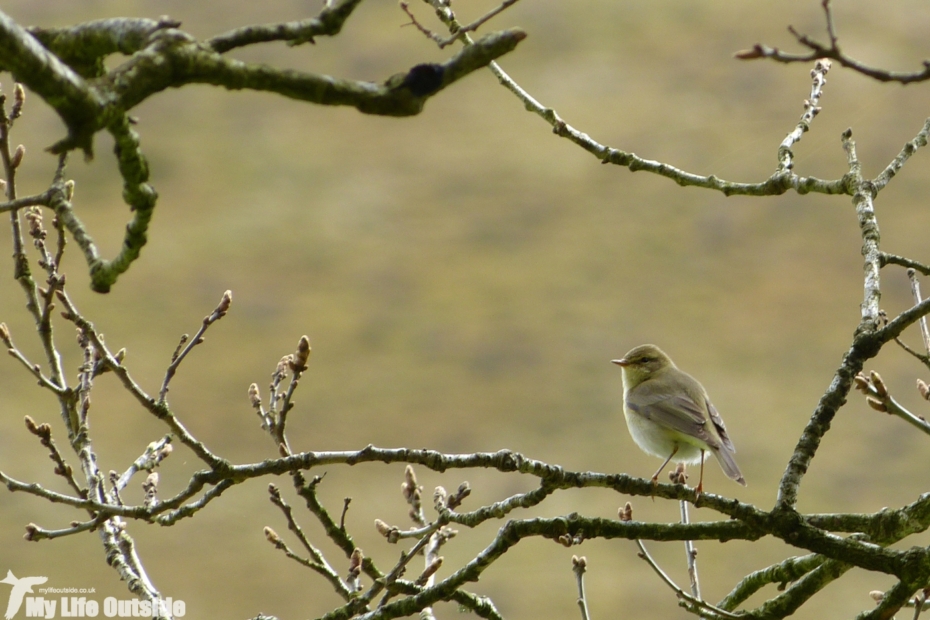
point(655, 476)
point(700, 486)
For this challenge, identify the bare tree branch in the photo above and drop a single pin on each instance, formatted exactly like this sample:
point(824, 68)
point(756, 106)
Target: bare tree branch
point(833, 52)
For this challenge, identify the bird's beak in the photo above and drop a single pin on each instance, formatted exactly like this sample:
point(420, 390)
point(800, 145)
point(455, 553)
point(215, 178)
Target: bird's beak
point(621, 362)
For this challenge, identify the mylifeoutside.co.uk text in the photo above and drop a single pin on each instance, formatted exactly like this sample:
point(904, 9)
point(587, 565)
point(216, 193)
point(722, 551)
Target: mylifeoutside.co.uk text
point(67, 590)
point(81, 607)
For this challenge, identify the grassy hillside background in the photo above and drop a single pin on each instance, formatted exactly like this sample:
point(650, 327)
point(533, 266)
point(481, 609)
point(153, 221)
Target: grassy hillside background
point(465, 277)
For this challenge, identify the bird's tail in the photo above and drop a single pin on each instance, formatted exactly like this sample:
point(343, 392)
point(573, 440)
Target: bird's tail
point(728, 464)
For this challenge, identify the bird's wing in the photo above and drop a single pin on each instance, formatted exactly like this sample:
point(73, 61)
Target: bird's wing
point(679, 412)
point(719, 426)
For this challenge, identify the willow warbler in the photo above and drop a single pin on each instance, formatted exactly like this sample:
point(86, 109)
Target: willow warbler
point(669, 414)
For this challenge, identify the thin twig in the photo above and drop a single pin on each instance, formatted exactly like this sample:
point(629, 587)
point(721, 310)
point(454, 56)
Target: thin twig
point(27, 201)
point(219, 312)
point(159, 410)
point(811, 109)
point(473, 26)
point(458, 30)
point(345, 509)
point(188, 510)
point(695, 605)
point(691, 554)
point(394, 533)
point(915, 290)
point(894, 166)
point(318, 563)
point(579, 565)
point(398, 569)
point(36, 371)
point(154, 454)
point(893, 259)
point(44, 433)
point(35, 533)
point(678, 476)
point(297, 364)
point(339, 536)
point(323, 569)
point(923, 358)
point(879, 398)
point(832, 51)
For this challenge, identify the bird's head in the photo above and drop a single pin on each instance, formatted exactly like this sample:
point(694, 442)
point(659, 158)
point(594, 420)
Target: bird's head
point(643, 362)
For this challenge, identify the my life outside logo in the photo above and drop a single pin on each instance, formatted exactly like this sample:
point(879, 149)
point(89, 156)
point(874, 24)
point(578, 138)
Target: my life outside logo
point(67, 605)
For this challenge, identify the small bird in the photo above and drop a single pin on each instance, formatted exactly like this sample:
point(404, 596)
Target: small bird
point(669, 414)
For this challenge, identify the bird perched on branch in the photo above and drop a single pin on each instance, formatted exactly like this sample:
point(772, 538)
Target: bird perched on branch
point(669, 414)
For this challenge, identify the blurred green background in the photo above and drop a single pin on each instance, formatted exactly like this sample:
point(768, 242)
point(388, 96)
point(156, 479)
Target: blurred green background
point(465, 277)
